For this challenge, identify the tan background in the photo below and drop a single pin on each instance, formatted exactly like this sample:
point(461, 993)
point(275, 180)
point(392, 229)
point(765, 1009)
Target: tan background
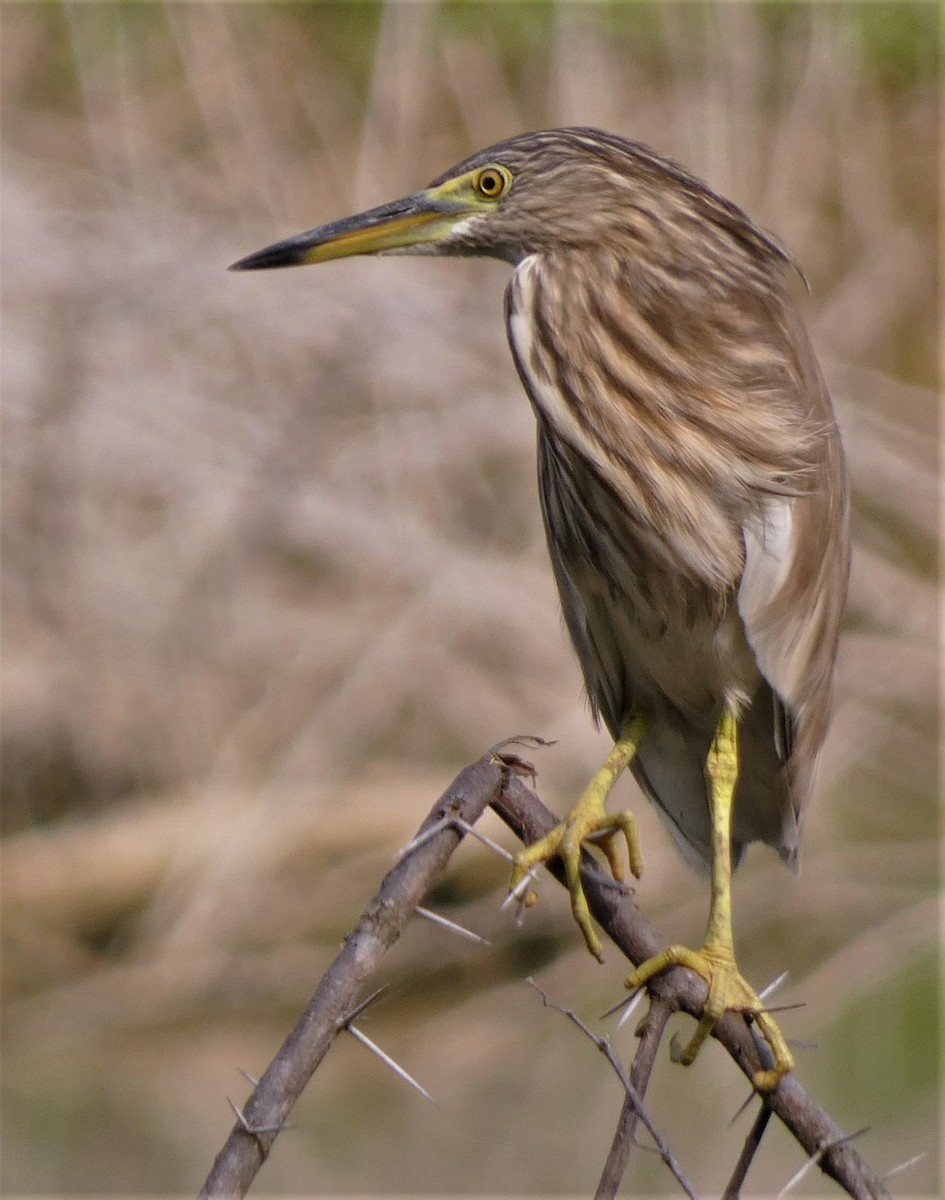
point(273, 571)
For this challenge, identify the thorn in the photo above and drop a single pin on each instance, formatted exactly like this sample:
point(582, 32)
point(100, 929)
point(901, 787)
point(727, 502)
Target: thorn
point(910, 1162)
point(359, 1009)
point(460, 930)
point(816, 1157)
point(239, 1114)
point(422, 838)
point(523, 895)
point(630, 1008)
point(799, 1174)
point(522, 886)
point(741, 1108)
point(628, 1002)
point(448, 821)
point(773, 986)
point(465, 827)
point(254, 1130)
point(385, 1058)
point(523, 904)
point(251, 1078)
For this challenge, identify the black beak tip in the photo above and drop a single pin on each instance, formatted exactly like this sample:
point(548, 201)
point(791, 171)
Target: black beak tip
point(283, 254)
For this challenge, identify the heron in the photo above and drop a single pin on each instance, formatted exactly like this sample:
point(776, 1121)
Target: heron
point(693, 492)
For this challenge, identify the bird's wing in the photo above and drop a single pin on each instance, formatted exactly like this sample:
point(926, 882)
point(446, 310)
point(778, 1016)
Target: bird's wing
point(792, 591)
point(770, 545)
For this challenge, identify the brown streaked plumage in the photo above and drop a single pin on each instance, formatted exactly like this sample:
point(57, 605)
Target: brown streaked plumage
point(690, 473)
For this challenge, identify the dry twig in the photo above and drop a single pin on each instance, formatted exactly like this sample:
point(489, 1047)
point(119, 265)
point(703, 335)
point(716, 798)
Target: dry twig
point(632, 1096)
point(733, 1189)
point(650, 1031)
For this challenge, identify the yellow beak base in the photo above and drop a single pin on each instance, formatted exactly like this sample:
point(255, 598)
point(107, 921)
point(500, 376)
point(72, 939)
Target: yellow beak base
point(417, 220)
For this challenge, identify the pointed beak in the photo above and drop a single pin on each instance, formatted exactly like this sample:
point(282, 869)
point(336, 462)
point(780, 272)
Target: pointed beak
point(417, 221)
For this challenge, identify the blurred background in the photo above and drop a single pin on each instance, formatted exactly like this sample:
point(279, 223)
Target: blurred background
point(273, 572)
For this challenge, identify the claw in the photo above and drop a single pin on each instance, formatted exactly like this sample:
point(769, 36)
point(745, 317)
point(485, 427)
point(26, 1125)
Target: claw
point(728, 992)
point(610, 842)
point(564, 841)
point(589, 821)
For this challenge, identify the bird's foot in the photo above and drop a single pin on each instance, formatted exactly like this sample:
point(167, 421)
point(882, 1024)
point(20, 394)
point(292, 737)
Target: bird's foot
point(588, 821)
point(728, 992)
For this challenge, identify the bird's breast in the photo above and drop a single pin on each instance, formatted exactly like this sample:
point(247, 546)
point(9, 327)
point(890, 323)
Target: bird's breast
point(646, 634)
point(602, 404)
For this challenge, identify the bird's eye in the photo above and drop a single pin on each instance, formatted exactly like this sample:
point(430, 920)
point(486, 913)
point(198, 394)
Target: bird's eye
point(491, 182)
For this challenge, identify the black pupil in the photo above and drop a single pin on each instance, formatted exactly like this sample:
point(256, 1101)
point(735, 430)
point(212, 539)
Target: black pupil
point(490, 182)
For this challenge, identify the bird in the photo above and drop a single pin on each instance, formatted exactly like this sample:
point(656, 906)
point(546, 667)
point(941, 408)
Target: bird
point(693, 490)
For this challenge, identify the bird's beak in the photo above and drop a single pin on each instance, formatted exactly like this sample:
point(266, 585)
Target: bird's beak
point(417, 221)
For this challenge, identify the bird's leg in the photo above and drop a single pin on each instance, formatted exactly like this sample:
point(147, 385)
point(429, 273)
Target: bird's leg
point(590, 821)
point(715, 962)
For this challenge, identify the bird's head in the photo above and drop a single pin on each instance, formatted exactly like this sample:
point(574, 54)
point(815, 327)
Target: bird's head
point(558, 189)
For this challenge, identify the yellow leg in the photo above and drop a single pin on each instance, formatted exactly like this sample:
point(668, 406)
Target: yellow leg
point(589, 821)
point(715, 962)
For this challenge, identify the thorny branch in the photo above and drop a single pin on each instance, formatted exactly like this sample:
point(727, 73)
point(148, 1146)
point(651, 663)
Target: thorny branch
point(650, 1032)
point(496, 780)
point(633, 1097)
point(336, 998)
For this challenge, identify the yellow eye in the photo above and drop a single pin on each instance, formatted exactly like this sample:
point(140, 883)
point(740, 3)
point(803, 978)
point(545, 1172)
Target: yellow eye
point(492, 182)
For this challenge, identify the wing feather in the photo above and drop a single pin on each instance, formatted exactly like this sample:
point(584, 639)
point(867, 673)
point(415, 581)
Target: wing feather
point(793, 588)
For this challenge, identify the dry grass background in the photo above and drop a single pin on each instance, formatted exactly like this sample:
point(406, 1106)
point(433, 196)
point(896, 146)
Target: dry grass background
point(273, 572)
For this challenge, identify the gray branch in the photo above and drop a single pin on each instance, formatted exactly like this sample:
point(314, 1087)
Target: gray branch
point(496, 781)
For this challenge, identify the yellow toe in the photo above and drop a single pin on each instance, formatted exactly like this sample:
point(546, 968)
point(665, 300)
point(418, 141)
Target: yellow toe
point(728, 992)
point(614, 834)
